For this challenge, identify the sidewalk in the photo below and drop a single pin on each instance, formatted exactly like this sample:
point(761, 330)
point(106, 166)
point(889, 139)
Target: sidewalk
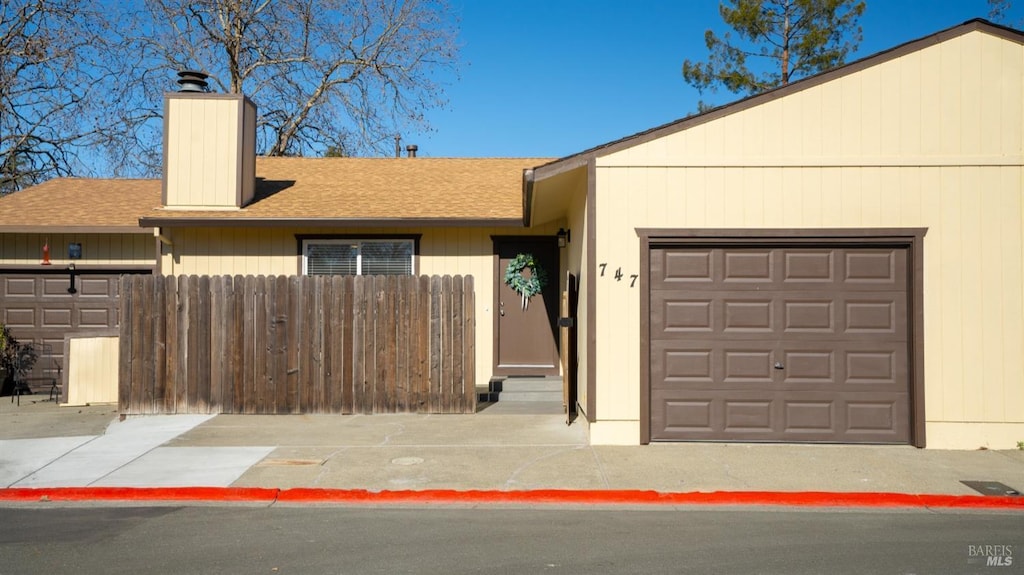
point(42, 446)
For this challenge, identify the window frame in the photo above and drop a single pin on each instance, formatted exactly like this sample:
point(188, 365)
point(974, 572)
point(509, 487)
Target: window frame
point(305, 239)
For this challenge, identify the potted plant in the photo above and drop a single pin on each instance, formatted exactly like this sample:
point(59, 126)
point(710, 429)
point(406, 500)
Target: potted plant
point(16, 359)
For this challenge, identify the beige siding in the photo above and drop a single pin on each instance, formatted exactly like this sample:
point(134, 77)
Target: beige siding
point(204, 147)
point(269, 251)
point(92, 370)
point(932, 139)
point(97, 249)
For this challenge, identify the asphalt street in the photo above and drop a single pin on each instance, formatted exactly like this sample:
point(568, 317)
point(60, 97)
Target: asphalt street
point(355, 540)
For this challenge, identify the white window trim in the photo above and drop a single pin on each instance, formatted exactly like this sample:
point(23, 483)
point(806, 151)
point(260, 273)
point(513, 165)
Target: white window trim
point(359, 256)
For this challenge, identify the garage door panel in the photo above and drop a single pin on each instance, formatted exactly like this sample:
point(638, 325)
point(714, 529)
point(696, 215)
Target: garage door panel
point(746, 366)
point(755, 416)
point(54, 317)
point(738, 314)
point(686, 365)
point(98, 317)
point(747, 267)
point(748, 416)
point(18, 317)
point(885, 266)
point(681, 268)
point(683, 315)
point(14, 287)
point(743, 315)
point(55, 285)
point(808, 266)
point(785, 344)
point(91, 286)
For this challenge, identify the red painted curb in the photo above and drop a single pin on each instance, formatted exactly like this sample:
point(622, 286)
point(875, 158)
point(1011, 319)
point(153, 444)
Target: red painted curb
point(539, 496)
point(640, 497)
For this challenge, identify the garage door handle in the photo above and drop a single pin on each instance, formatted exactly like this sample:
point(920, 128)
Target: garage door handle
point(778, 365)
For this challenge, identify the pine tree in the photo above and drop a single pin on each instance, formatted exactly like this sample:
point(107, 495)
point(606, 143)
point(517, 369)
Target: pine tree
point(777, 41)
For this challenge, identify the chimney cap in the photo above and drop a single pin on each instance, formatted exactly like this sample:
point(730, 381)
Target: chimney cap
point(192, 81)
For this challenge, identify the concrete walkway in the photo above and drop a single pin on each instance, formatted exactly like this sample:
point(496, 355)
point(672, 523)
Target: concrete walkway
point(496, 451)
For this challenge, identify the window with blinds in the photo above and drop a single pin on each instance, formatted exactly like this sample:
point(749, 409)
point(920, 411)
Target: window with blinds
point(358, 257)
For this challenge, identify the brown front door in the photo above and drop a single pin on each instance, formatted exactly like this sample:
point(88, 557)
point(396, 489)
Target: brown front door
point(526, 336)
point(780, 344)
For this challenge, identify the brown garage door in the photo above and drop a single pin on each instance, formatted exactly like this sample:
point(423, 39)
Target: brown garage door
point(779, 344)
point(38, 308)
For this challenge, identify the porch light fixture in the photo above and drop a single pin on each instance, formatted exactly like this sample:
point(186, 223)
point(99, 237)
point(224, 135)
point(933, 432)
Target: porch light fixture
point(563, 237)
point(74, 251)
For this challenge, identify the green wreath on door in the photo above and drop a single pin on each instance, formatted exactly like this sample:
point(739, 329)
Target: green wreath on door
point(526, 287)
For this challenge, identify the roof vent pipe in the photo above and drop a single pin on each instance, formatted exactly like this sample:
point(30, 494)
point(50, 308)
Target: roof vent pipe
point(411, 148)
point(192, 81)
point(398, 145)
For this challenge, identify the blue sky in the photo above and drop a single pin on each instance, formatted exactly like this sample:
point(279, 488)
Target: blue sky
point(549, 78)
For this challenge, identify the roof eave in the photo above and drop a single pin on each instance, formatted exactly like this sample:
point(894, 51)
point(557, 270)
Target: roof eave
point(58, 229)
point(248, 222)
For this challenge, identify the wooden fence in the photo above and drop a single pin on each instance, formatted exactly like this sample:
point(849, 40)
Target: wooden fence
point(298, 344)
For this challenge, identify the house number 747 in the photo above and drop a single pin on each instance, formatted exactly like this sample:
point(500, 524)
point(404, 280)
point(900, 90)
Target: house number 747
point(619, 275)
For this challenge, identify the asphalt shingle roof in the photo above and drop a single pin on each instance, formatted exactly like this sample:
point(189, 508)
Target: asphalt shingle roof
point(376, 189)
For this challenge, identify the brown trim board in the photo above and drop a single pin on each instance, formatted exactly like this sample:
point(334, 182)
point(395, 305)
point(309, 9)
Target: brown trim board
point(591, 283)
point(910, 238)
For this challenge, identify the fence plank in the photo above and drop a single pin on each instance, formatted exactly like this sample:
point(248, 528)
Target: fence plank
point(295, 398)
point(171, 339)
point(403, 327)
point(248, 398)
point(261, 351)
point(311, 343)
point(422, 365)
point(279, 318)
point(124, 344)
point(358, 345)
point(159, 348)
point(469, 345)
point(435, 386)
point(218, 335)
point(204, 363)
point(458, 395)
point(348, 343)
point(387, 324)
